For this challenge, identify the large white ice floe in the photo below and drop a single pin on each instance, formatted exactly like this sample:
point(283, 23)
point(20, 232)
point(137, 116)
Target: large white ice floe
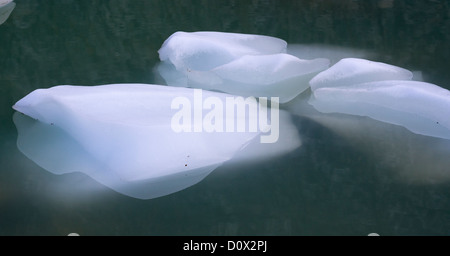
point(385, 93)
point(6, 7)
point(241, 64)
point(127, 136)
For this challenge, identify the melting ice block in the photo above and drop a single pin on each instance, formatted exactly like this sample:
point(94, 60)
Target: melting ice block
point(248, 65)
point(385, 93)
point(206, 50)
point(127, 135)
point(420, 107)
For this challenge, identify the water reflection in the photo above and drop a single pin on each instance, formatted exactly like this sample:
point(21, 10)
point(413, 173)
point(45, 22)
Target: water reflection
point(6, 7)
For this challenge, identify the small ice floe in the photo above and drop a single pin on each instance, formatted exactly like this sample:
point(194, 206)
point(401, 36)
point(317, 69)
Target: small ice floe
point(385, 93)
point(241, 64)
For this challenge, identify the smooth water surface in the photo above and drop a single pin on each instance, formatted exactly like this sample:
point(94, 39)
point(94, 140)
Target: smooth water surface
point(352, 176)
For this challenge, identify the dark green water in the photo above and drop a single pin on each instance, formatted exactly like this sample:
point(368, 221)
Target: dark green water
point(332, 185)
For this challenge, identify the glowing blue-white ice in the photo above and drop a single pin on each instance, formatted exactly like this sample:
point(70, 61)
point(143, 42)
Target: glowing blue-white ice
point(280, 75)
point(127, 139)
point(385, 93)
point(124, 132)
point(127, 125)
point(349, 71)
point(207, 50)
point(241, 64)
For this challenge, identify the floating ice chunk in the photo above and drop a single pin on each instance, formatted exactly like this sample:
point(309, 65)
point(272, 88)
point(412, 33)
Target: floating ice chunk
point(382, 92)
point(247, 65)
point(206, 50)
point(420, 107)
point(126, 136)
point(6, 7)
point(56, 151)
point(350, 71)
point(129, 127)
point(276, 75)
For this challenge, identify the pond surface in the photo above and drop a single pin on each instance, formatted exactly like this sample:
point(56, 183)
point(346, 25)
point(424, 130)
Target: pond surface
point(350, 177)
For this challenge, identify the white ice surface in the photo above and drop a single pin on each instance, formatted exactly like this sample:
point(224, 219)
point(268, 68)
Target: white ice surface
point(206, 50)
point(350, 71)
point(422, 108)
point(129, 126)
point(247, 65)
point(124, 134)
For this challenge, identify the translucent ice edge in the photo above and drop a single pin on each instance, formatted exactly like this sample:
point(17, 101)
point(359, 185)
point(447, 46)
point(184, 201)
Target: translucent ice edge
point(122, 136)
point(6, 7)
point(422, 108)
